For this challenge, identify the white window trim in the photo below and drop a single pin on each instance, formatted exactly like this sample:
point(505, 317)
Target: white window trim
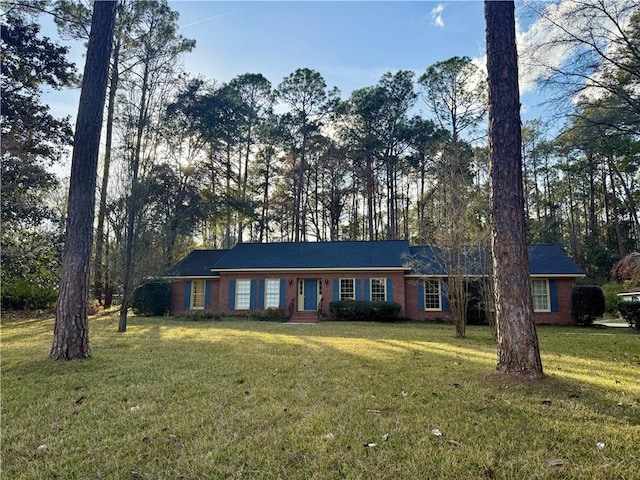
point(238, 307)
point(424, 292)
point(548, 295)
point(340, 288)
point(384, 287)
point(192, 297)
point(266, 292)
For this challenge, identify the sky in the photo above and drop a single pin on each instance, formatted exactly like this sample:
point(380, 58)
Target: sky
point(350, 43)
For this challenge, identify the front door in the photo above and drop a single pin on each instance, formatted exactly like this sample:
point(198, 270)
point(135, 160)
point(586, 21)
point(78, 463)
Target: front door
point(307, 295)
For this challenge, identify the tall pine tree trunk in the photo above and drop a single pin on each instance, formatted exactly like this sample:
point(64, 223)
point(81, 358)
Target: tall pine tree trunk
point(71, 331)
point(518, 351)
point(98, 284)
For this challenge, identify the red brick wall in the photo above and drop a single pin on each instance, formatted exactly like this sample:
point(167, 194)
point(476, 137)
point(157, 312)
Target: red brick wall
point(177, 297)
point(405, 292)
point(563, 315)
point(291, 285)
point(178, 294)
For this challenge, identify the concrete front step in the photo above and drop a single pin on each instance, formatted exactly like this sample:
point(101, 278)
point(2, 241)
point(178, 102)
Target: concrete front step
point(304, 317)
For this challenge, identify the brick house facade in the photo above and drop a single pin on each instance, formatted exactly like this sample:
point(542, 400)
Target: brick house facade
point(303, 278)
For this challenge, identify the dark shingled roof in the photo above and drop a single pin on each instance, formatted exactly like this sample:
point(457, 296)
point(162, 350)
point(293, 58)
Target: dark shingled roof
point(389, 254)
point(310, 255)
point(543, 260)
point(197, 264)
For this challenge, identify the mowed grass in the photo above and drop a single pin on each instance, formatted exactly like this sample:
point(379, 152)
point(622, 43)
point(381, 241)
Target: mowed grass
point(240, 399)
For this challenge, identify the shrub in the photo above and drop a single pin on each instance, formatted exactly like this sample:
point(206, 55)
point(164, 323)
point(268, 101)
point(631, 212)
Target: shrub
point(152, 298)
point(21, 293)
point(200, 315)
point(630, 311)
point(611, 291)
point(269, 315)
point(354, 310)
point(587, 304)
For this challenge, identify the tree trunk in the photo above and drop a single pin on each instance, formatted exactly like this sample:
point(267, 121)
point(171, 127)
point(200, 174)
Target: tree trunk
point(71, 331)
point(98, 283)
point(518, 351)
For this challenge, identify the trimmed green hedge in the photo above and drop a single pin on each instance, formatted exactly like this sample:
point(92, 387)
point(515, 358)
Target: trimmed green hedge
point(152, 298)
point(630, 311)
point(588, 304)
point(358, 310)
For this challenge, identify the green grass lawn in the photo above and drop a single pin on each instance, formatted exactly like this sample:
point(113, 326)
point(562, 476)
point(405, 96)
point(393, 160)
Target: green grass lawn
point(240, 399)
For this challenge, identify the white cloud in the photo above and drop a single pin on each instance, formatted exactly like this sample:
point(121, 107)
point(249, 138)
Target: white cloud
point(436, 16)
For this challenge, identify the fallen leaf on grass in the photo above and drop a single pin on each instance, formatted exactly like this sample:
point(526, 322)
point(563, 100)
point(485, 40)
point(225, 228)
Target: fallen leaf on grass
point(42, 448)
point(329, 436)
point(546, 401)
point(134, 409)
point(555, 462)
point(480, 408)
point(436, 432)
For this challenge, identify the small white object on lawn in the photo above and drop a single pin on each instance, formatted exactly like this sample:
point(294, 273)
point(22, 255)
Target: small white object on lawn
point(135, 409)
point(600, 445)
point(42, 448)
point(436, 432)
point(405, 394)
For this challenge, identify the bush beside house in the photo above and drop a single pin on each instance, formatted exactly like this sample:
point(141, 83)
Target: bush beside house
point(152, 298)
point(630, 311)
point(358, 310)
point(588, 304)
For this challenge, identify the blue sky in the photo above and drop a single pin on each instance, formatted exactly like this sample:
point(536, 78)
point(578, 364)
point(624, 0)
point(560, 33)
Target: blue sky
point(351, 43)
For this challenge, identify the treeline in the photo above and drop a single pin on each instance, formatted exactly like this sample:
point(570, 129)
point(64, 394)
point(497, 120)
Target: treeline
point(190, 162)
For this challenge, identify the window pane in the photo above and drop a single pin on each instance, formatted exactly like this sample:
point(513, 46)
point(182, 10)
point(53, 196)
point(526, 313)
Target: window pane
point(272, 293)
point(540, 294)
point(432, 294)
point(347, 289)
point(379, 289)
point(197, 294)
point(243, 294)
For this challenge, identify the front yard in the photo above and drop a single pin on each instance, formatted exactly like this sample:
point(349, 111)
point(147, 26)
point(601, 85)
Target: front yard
point(240, 399)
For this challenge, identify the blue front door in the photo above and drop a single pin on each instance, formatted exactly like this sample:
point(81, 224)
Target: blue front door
point(311, 294)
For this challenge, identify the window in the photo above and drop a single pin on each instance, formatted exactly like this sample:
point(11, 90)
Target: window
point(432, 294)
point(379, 289)
point(197, 294)
point(540, 294)
point(243, 294)
point(272, 293)
point(347, 289)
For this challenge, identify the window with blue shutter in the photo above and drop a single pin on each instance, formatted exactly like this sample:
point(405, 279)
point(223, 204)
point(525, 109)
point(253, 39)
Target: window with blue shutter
point(421, 294)
point(232, 294)
point(283, 297)
point(207, 294)
point(187, 295)
point(358, 289)
point(260, 299)
point(553, 294)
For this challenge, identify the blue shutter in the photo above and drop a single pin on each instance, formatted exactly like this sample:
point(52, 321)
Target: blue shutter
point(553, 295)
point(389, 290)
point(261, 293)
point(444, 300)
point(232, 294)
point(336, 289)
point(207, 294)
point(367, 289)
point(187, 295)
point(252, 294)
point(282, 293)
point(358, 287)
point(421, 294)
